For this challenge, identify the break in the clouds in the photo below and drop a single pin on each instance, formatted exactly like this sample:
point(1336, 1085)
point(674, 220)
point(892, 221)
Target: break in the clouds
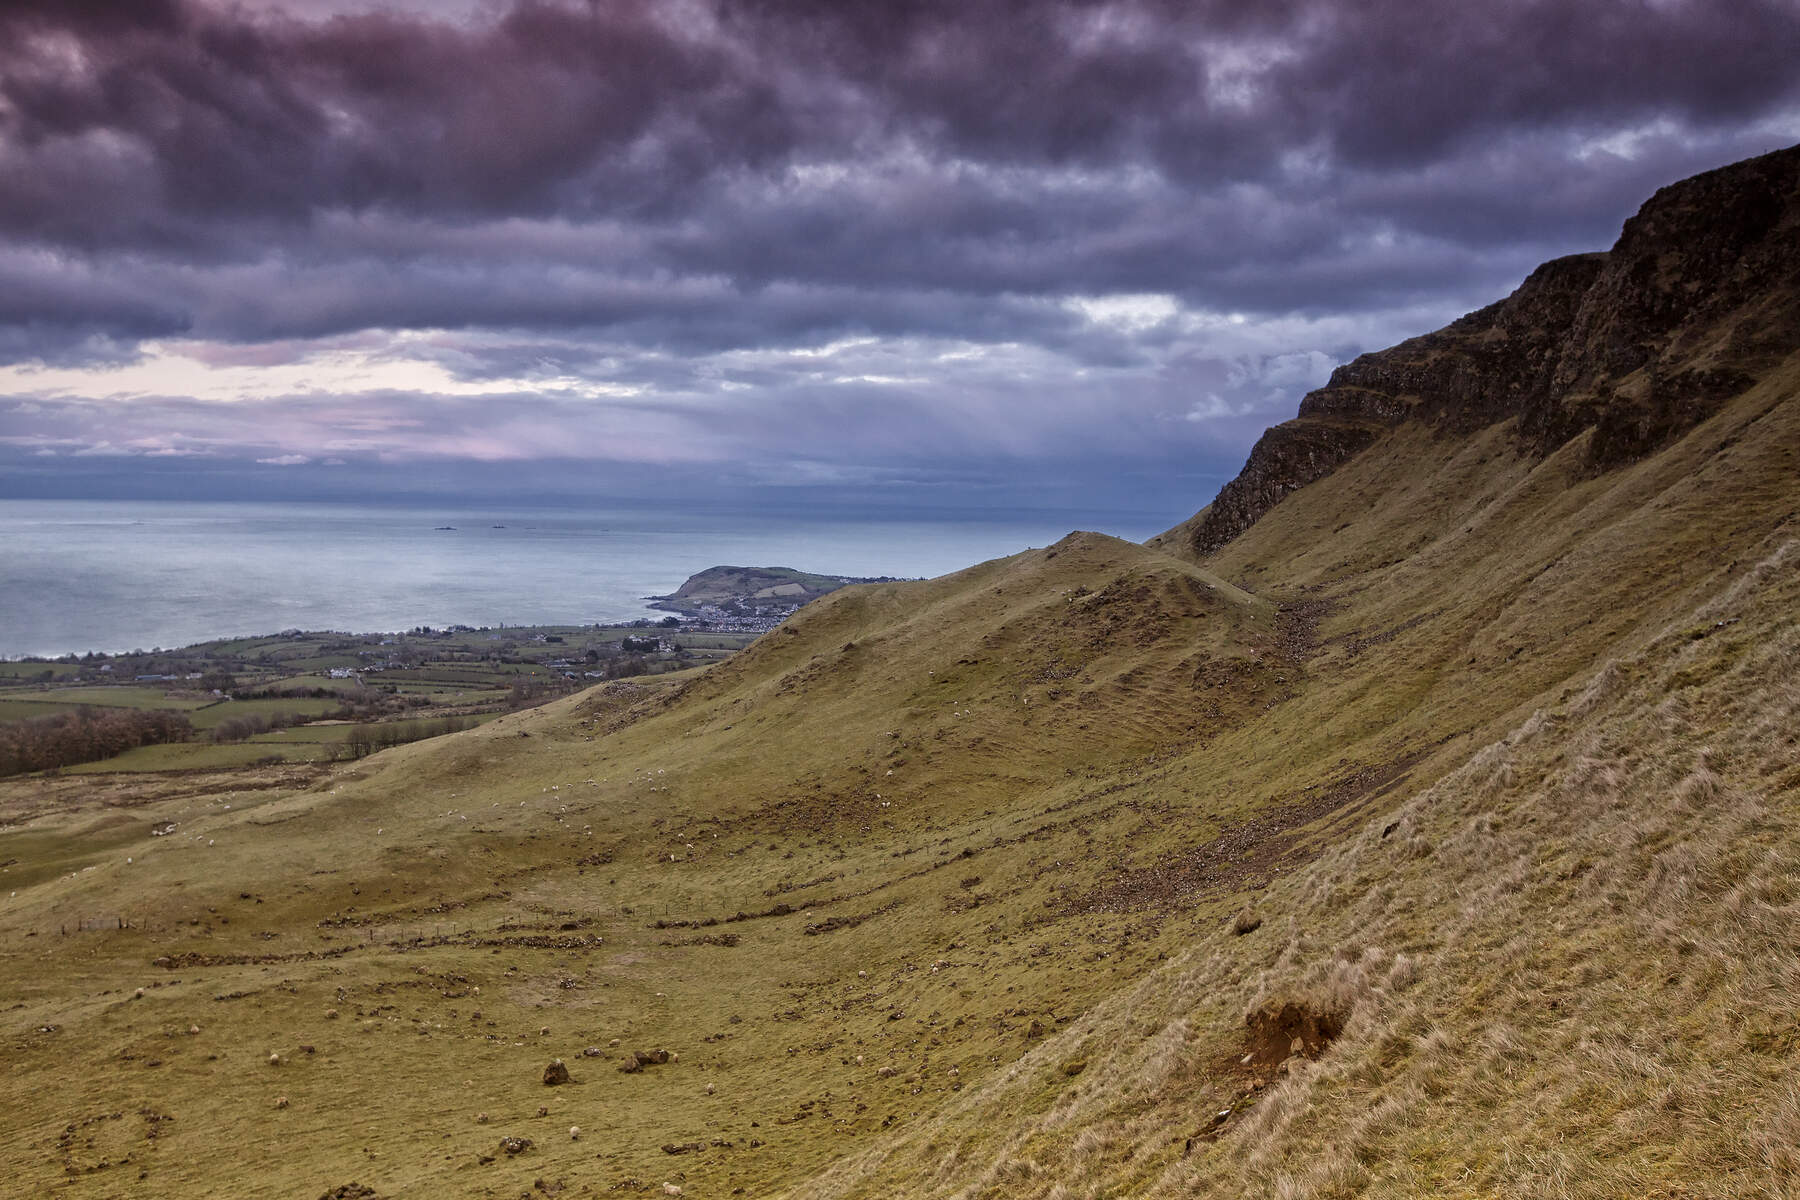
point(856, 245)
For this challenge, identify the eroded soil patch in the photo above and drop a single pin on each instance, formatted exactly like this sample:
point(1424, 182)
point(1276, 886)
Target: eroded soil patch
point(1245, 854)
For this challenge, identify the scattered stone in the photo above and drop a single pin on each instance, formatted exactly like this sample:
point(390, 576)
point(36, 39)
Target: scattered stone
point(637, 1060)
point(671, 1189)
point(515, 1145)
point(281, 1102)
point(592, 1052)
point(193, 1031)
point(481, 1118)
point(331, 1014)
point(543, 1110)
point(555, 1073)
point(682, 1147)
point(350, 1191)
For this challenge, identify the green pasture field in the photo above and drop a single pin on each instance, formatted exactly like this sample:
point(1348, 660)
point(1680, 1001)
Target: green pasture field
point(188, 756)
point(60, 699)
point(215, 715)
point(315, 681)
point(34, 670)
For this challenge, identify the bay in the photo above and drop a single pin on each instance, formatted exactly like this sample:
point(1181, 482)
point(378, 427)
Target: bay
point(110, 576)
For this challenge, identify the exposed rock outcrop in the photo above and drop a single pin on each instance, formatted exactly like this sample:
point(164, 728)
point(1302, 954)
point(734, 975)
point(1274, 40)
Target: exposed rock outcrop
point(1699, 297)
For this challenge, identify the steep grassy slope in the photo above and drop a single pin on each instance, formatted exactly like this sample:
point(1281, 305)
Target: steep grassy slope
point(1563, 966)
point(1433, 834)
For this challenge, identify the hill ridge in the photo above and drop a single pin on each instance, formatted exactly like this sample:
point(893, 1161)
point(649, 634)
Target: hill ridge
point(1698, 299)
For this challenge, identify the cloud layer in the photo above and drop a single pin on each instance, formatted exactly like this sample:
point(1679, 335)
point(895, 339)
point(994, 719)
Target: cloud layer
point(797, 236)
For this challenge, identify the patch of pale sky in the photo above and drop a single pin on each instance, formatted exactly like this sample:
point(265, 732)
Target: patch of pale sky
point(1235, 70)
point(1130, 312)
point(1627, 143)
point(169, 371)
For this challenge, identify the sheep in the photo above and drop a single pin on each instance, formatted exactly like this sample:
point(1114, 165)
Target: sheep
point(481, 1118)
point(274, 1059)
point(671, 1189)
point(574, 1133)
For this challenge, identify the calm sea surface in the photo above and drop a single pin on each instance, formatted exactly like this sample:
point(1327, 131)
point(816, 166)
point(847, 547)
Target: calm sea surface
point(123, 575)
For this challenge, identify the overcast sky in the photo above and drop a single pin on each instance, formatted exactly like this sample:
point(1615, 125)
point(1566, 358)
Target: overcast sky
point(938, 251)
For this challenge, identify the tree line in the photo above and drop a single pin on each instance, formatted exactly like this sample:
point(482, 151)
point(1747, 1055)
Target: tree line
point(367, 739)
point(82, 735)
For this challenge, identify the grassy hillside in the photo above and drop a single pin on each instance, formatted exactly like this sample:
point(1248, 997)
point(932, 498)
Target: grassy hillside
point(1435, 835)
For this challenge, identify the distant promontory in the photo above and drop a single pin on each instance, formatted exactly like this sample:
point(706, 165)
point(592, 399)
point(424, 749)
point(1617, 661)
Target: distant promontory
point(741, 593)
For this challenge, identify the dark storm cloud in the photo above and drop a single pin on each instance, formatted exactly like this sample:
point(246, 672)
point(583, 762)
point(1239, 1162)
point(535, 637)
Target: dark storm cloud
point(1032, 147)
point(835, 239)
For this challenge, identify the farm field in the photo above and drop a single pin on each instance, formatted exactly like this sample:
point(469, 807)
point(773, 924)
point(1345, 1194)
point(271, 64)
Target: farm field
point(255, 700)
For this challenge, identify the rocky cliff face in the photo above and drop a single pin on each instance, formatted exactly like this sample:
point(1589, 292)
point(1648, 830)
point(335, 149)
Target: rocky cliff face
point(1698, 298)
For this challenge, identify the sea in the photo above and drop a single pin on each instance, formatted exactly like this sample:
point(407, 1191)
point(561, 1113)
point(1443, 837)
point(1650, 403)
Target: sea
point(113, 576)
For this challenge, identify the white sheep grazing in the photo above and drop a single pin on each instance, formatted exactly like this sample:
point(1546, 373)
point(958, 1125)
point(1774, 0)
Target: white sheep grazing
point(574, 1133)
point(671, 1189)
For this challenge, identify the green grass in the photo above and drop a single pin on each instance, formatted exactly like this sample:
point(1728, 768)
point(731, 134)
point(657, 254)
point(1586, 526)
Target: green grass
point(33, 671)
point(183, 756)
point(60, 699)
point(215, 715)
